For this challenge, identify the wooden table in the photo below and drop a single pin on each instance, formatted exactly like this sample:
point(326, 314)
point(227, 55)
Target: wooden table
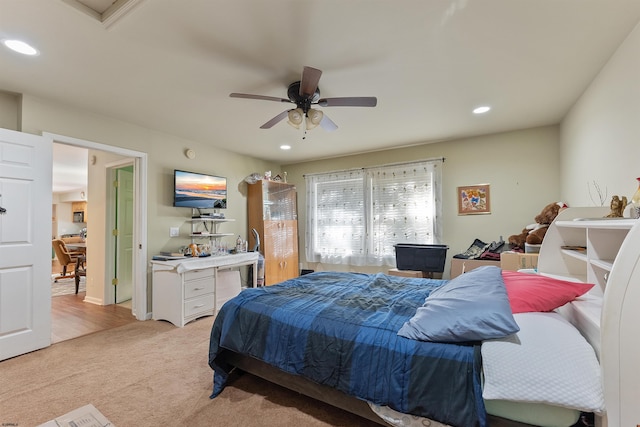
point(77, 247)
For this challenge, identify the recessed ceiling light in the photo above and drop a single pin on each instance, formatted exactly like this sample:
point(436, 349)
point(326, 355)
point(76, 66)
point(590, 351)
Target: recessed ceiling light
point(481, 110)
point(285, 147)
point(20, 47)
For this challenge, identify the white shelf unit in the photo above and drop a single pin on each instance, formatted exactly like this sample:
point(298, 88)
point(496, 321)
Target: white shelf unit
point(608, 314)
point(210, 227)
point(601, 239)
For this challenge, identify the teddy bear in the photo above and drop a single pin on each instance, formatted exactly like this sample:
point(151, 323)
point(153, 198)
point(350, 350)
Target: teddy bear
point(534, 233)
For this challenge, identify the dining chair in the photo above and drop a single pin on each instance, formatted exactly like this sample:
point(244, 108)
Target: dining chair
point(80, 271)
point(66, 258)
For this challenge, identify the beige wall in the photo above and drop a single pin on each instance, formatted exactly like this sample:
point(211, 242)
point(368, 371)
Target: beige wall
point(98, 283)
point(165, 153)
point(600, 137)
point(518, 192)
point(9, 110)
point(522, 168)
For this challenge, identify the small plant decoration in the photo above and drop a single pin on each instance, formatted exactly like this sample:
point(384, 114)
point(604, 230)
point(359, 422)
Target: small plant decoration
point(602, 197)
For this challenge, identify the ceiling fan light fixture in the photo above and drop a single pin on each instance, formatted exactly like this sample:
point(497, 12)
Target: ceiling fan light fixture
point(295, 117)
point(314, 117)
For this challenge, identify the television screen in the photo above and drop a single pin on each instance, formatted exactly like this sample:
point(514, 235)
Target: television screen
point(196, 190)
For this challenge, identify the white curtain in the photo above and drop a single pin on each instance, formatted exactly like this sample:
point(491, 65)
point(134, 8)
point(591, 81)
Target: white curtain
point(356, 217)
point(336, 227)
point(404, 208)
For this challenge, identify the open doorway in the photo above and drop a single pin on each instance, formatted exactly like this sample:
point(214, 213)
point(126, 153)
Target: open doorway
point(101, 159)
point(69, 214)
point(71, 314)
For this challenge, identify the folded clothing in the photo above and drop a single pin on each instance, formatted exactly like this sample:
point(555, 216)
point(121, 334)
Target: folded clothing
point(476, 249)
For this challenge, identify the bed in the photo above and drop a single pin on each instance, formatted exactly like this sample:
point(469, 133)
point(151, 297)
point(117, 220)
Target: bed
point(340, 330)
point(361, 363)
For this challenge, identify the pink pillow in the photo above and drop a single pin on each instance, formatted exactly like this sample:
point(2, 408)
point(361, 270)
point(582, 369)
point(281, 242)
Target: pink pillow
point(533, 292)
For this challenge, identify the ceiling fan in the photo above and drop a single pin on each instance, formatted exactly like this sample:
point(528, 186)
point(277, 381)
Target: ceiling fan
point(305, 93)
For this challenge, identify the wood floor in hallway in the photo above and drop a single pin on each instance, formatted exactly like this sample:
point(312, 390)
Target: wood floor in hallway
point(71, 317)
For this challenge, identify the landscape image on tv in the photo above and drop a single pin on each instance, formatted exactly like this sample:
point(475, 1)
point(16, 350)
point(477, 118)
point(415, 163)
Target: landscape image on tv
point(194, 190)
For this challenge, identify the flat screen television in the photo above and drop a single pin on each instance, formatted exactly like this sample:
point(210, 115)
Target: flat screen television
point(199, 191)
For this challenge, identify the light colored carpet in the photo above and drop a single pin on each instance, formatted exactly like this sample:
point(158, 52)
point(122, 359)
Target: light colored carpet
point(149, 374)
point(66, 286)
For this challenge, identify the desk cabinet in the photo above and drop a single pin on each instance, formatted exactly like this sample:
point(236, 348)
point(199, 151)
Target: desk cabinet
point(181, 298)
point(186, 290)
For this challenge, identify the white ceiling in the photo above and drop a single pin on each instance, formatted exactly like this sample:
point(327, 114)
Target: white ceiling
point(170, 65)
point(70, 171)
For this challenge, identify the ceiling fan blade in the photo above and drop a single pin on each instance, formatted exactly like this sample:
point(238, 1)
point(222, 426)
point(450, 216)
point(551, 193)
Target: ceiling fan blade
point(263, 97)
point(354, 101)
point(327, 124)
point(309, 82)
point(275, 120)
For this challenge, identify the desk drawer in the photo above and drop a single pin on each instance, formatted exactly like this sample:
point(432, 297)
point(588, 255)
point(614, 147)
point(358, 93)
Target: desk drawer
point(198, 274)
point(198, 305)
point(193, 288)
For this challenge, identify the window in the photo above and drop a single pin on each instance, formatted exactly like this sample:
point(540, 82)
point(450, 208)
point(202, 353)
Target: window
point(357, 216)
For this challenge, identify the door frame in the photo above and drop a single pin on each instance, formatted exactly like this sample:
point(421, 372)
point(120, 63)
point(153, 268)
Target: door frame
point(140, 162)
point(111, 170)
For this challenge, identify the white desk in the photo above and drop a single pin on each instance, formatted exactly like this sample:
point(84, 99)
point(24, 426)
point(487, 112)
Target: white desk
point(186, 289)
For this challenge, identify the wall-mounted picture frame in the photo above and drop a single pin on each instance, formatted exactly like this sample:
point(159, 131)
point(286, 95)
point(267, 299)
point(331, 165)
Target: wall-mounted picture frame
point(474, 199)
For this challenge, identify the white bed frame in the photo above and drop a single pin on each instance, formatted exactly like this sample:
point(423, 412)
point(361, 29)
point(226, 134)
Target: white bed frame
point(608, 316)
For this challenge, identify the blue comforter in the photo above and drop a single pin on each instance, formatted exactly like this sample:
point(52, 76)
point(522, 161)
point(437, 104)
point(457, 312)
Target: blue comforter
point(340, 330)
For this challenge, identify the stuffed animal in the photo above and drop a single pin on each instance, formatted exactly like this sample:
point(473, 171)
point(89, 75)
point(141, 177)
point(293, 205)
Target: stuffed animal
point(534, 233)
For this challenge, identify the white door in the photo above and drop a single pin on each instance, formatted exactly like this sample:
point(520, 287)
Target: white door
point(25, 242)
point(124, 239)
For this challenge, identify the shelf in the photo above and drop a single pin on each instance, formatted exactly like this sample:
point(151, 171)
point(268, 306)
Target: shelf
point(211, 220)
point(210, 226)
point(604, 264)
point(604, 223)
point(581, 255)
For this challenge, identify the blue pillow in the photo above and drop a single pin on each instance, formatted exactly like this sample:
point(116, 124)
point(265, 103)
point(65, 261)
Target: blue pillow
point(472, 307)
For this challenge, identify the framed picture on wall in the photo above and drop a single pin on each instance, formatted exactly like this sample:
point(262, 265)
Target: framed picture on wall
point(474, 199)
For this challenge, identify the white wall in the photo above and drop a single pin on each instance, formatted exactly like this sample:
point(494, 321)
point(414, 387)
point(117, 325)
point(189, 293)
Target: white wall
point(65, 224)
point(600, 137)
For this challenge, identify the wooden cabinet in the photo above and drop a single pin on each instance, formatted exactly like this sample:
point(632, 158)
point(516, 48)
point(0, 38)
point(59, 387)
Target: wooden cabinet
point(272, 211)
point(79, 207)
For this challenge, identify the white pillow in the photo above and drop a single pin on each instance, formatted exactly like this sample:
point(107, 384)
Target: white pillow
point(547, 361)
